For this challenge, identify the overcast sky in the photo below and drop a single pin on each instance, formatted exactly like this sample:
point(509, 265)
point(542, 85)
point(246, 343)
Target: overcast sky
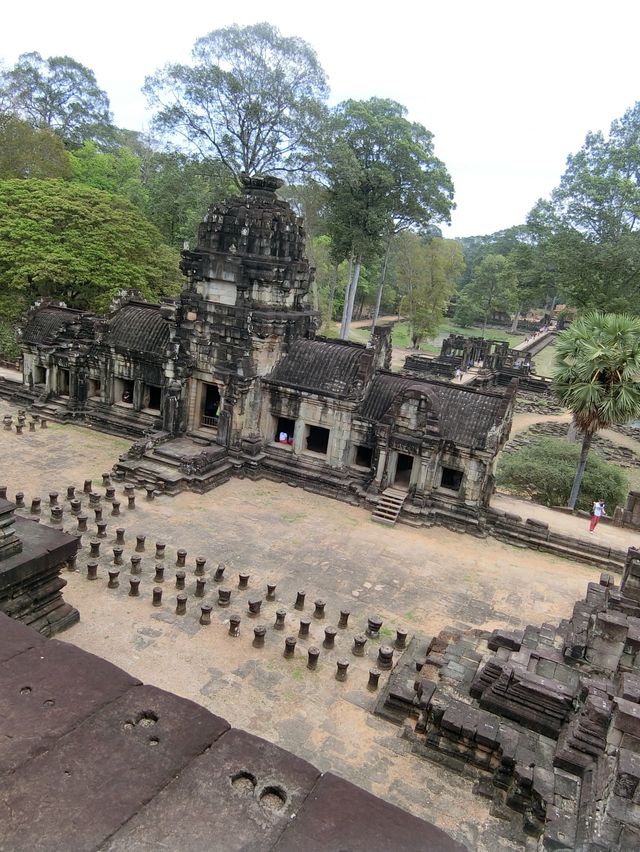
point(508, 87)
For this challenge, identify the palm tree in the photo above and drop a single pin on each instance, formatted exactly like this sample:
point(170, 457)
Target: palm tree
point(596, 377)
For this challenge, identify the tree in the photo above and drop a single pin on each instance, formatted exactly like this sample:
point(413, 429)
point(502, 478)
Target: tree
point(252, 99)
point(596, 376)
point(58, 94)
point(116, 171)
point(427, 271)
point(544, 471)
point(76, 244)
point(178, 190)
point(492, 288)
point(590, 228)
point(382, 178)
point(27, 152)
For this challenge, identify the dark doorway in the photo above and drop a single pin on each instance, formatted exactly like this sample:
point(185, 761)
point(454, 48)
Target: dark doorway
point(363, 456)
point(404, 466)
point(40, 375)
point(451, 479)
point(154, 393)
point(64, 383)
point(317, 439)
point(210, 406)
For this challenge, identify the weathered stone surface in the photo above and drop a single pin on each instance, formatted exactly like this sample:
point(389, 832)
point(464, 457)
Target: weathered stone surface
point(46, 692)
point(338, 815)
point(16, 638)
point(93, 780)
point(248, 789)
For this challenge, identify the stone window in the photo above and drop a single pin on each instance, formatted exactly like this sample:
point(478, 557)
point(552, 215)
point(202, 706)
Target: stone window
point(363, 456)
point(284, 431)
point(123, 389)
point(451, 479)
point(39, 375)
point(63, 382)
point(151, 396)
point(317, 439)
point(95, 387)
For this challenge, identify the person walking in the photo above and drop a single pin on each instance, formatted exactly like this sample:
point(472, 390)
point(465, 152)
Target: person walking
point(597, 511)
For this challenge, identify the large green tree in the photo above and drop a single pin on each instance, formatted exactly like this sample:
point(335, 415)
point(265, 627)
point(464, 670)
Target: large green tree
point(77, 244)
point(427, 271)
point(597, 376)
point(589, 230)
point(382, 177)
point(58, 94)
point(28, 152)
point(252, 98)
point(493, 288)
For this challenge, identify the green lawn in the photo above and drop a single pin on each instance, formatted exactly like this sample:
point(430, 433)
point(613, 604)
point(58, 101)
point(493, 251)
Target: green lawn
point(544, 360)
point(400, 336)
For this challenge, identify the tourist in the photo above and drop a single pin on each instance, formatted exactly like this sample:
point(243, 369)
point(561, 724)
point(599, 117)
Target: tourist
point(283, 438)
point(458, 374)
point(597, 511)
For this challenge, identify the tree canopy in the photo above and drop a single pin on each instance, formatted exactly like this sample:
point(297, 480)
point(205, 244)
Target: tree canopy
point(493, 288)
point(589, 230)
point(382, 177)
point(29, 152)
point(77, 244)
point(252, 98)
point(58, 94)
point(597, 374)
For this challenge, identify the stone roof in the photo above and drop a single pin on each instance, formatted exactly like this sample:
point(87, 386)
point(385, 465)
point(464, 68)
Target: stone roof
point(337, 369)
point(138, 327)
point(465, 416)
point(46, 323)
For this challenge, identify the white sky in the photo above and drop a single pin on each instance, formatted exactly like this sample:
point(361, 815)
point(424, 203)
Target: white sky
point(508, 87)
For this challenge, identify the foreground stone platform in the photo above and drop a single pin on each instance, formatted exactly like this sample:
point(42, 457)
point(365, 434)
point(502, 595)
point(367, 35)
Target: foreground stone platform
point(90, 758)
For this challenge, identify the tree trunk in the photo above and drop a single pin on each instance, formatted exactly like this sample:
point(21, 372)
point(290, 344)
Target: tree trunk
point(516, 320)
point(383, 277)
point(347, 293)
point(332, 292)
point(352, 297)
point(577, 482)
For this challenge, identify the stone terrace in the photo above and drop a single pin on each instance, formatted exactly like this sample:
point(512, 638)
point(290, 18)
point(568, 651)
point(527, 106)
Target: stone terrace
point(417, 580)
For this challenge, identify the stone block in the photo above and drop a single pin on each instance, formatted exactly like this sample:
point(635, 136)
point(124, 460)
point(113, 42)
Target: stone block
point(627, 717)
point(338, 815)
point(246, 787)
point(93, 780)
point(49, 690)
point(16, 638)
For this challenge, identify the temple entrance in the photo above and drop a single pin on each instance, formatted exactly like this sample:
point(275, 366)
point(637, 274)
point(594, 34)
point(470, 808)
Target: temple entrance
point(210, 406)
point(404, 466)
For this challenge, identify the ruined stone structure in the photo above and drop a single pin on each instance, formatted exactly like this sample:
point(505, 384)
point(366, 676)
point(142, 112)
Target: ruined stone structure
point(231, 379)
point(550, 714)
point(496, 362)
point(31, 558)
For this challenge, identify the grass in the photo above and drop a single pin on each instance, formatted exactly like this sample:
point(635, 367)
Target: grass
point(400, 335)
point(544, 361)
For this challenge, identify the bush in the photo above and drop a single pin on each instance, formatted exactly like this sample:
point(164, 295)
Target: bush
point(543, 472)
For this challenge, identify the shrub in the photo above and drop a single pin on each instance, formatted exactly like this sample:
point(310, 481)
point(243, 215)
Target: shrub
point(544, 471)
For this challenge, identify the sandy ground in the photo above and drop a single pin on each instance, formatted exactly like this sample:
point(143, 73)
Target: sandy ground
point(421, 580)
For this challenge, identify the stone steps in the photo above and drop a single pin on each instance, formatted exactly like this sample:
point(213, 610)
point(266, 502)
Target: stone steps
point(389, 506)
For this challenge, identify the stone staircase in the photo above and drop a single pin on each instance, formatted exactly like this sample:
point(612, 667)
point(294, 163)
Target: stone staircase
point(389, 506)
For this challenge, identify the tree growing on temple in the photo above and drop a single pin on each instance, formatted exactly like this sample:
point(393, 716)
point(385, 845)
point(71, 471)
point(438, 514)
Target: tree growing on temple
point(597, 377)
point(382, 177)
point(252, 98)
point(78, 245)
point(58, 94)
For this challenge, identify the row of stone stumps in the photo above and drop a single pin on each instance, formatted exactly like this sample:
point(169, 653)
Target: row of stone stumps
point(70, 505)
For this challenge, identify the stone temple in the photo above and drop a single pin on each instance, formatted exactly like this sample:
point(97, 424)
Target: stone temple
point(232, 379)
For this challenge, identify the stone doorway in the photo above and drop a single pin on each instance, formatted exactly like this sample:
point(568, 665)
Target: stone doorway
point(404, 466)
point(210, 406)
